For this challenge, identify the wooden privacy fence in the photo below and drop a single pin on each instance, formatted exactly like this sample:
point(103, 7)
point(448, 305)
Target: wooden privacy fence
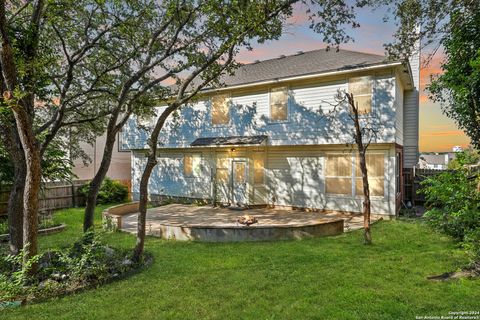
point(412, 179)
point(54, 195)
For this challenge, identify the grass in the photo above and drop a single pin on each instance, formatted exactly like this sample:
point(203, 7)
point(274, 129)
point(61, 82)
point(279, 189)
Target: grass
point(326, 278)
point(45, 223)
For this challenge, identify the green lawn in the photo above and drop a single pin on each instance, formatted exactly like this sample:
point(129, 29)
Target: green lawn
point(326, 278)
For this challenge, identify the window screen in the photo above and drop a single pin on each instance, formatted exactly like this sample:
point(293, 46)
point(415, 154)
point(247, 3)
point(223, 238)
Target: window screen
point(338, 179)
point(279, 104)
point(375, 172)
point(220, 109)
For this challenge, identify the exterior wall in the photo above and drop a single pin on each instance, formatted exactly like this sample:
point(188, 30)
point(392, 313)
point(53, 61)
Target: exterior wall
point(119, 168)
point(399, 123)
point(411, 115)
point(312, 119)
point(294, 176)
point(295, 155)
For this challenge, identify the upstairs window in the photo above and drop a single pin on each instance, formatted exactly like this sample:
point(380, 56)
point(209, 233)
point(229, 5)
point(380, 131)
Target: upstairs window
point(361, 87)
point(338, 177)
point(191, 165)
point(375, 172)
point(279, 104)
point(220, 109)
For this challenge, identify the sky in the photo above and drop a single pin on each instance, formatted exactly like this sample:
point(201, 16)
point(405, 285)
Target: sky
point(437, 132)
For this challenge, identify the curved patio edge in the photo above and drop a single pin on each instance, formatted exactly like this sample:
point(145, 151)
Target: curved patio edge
point(253, 233)
point(112, 216)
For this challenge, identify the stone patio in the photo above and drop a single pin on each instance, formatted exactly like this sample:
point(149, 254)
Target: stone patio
point(178, 220)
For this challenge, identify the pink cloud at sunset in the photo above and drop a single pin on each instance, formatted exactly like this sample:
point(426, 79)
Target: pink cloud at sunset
point(449, 133)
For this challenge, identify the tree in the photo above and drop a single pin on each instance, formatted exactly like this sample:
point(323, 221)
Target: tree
point(458, 87)
point(351, 116)
point(22, 105)
point(239, 25)
point(359, 136)
point(13, 171)
point(56, 61)
point(452, 25)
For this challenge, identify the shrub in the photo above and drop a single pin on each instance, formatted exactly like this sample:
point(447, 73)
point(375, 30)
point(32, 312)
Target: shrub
point(86, 263)
point(14, 275)
point(453, 204)
point(111, 191)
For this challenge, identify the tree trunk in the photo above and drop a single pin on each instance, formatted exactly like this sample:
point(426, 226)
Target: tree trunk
point(15, 206)
point(151, 163)
point(366, 200)
point(23, 111)
point(96, 183)
point(362, 149)
point(15, 199)
point(32, 181)
point(142, 215)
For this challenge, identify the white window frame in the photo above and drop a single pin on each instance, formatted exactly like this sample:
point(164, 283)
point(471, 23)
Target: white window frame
point(352, 164)
point(354, 174)
point(228, 97)
point(257, 156)
point(193, 155)
point(270, 121)
point(371, 94)
point(353, 177)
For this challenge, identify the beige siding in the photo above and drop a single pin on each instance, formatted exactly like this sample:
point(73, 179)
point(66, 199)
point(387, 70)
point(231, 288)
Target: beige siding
point(410, 115)
point(309, 103)
point(120, 167)
point(398, 105)
point(294, 176)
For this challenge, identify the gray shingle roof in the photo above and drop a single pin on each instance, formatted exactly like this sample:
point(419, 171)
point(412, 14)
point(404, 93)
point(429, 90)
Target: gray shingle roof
point(304, 63)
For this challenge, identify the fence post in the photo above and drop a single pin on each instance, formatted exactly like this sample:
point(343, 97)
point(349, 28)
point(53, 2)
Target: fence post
point(74, 205)
point(414, 192)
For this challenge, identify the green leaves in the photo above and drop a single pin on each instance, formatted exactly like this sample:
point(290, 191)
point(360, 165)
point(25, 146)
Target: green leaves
point(454, 206)
point(458, 88)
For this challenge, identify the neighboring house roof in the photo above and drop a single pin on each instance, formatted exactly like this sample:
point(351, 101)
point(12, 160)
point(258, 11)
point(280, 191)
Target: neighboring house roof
point(302, 63)
point(229, 141)
point(434, 158)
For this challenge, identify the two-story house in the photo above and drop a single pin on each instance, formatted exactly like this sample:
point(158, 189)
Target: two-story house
point(274, 135)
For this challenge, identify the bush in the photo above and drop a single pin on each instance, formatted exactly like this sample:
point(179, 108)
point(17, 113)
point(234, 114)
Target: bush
point(85, 264)
point(453, 204)
point(111, 191)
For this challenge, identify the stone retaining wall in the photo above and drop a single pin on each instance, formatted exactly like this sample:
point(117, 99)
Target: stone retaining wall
point(112, 217)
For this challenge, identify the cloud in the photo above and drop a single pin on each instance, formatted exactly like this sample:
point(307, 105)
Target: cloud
point(432, 69)
point(443, 133)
